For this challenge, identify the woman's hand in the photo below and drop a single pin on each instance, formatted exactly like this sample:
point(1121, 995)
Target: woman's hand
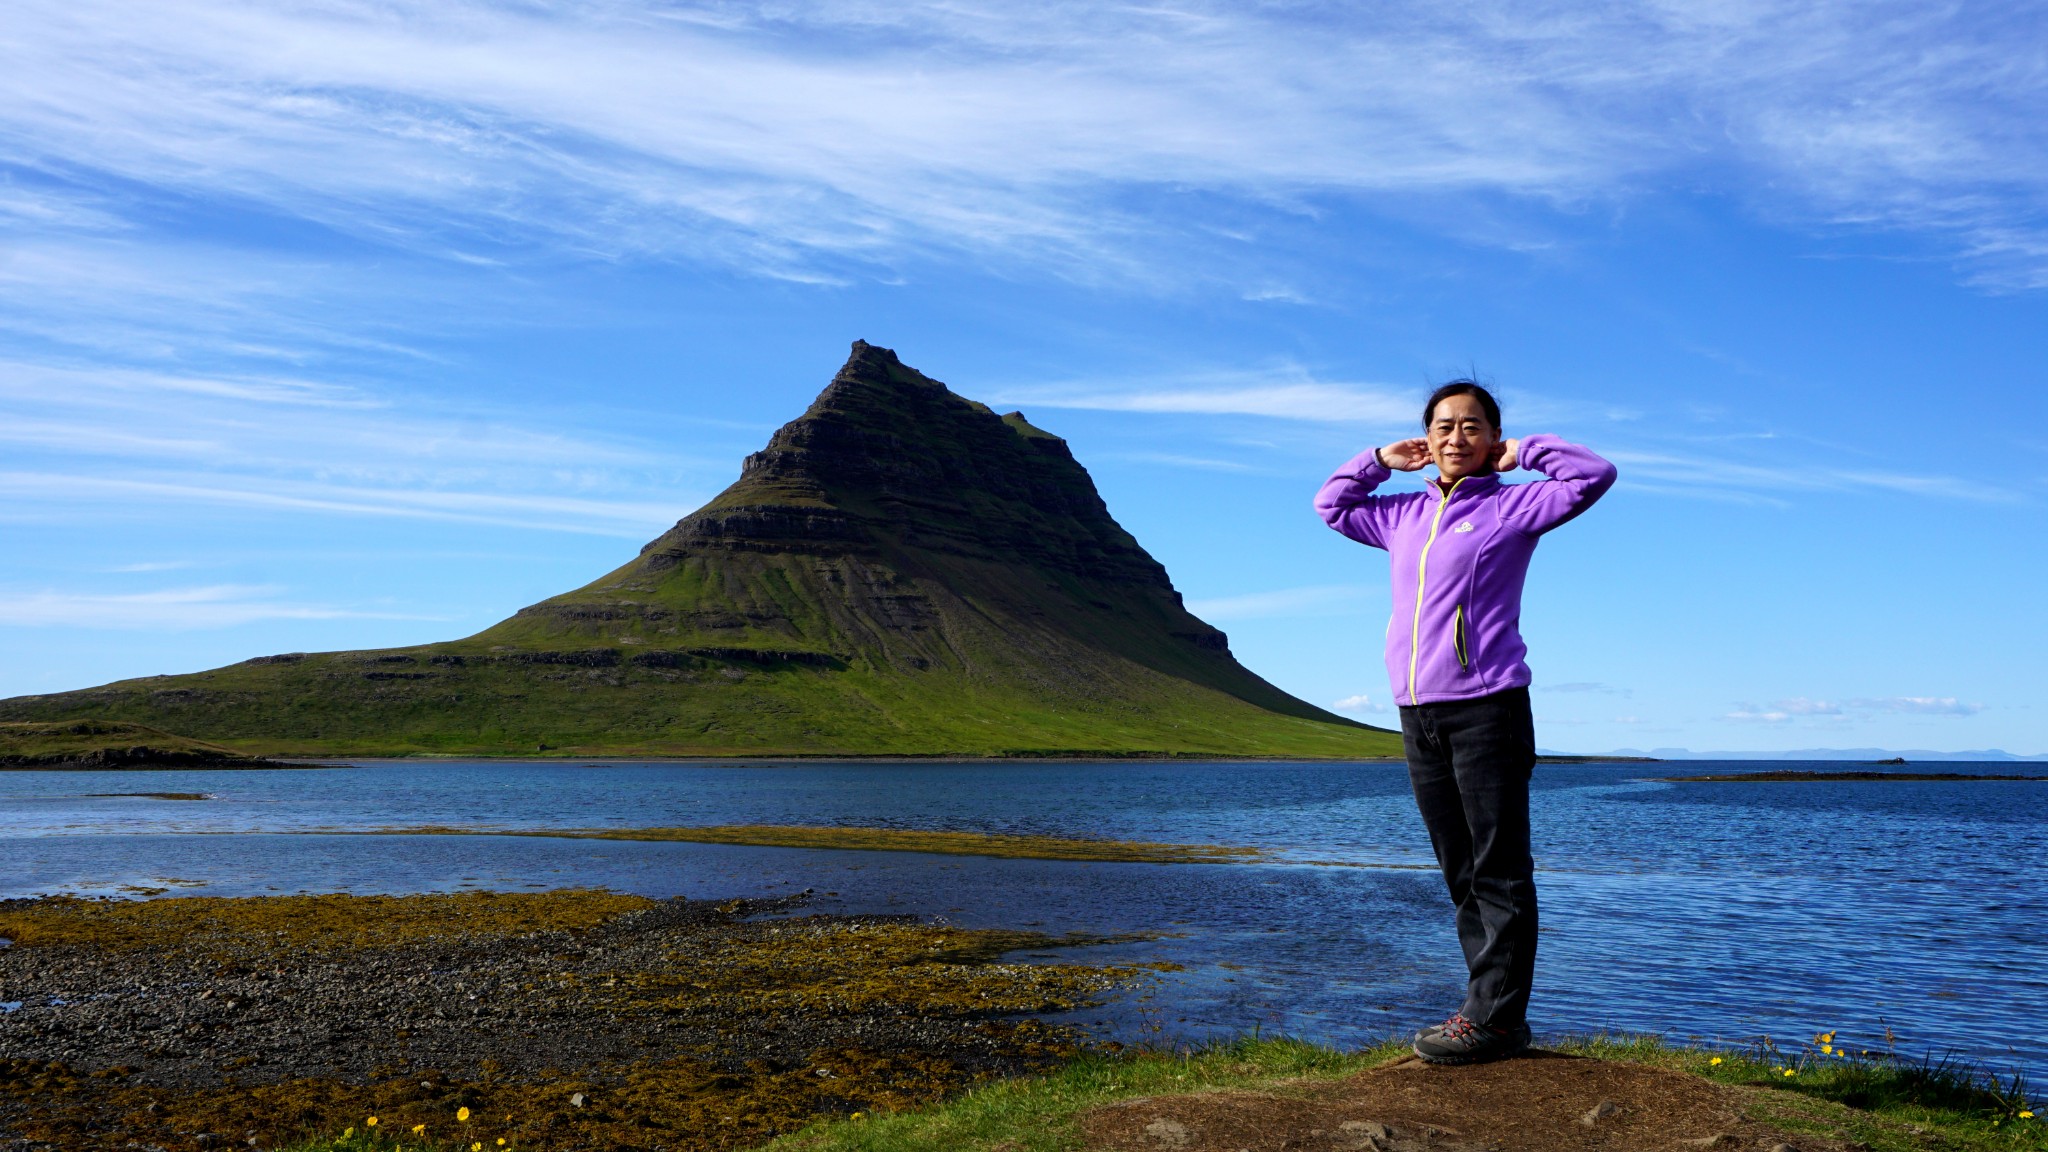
point(1507, 455)
point(1406, 455)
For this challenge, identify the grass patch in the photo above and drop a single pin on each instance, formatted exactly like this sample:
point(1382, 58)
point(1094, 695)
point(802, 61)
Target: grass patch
point(1039, 1114)
point(1877, 1098)
point(527, 696)
point(99, 744)
point(894, 840)
point(832, 968)
point(303, 923)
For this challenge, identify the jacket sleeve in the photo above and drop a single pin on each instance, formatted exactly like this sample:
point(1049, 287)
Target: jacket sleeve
point(1346, 503)
point(1573, 479)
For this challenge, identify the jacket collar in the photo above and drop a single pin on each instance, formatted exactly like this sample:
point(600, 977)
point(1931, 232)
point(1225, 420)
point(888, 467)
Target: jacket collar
point(1469, 486)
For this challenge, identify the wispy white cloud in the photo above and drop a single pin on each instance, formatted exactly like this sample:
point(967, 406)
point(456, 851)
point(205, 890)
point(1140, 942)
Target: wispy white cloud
point(1581, 686)
point(1749, 712)
point(1178, 460)
point(1921, 706)
point(153, 566)
point(1286, 393)
point(118, 384)
point(211, 606)
point(1792, 708)
point(112, 437)
point(1319, 600)
point(1358, 703)
point(1748, 468)
point(1802, 469)
point(1802, 708)
point(782, 138)
point(155, 293)
point(626, 519)
point(261, 422)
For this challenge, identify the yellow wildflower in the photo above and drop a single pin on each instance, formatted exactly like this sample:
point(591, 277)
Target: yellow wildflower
point(477, 1146)
point(419, 1129)
point(2026, 1115)
point(1791, 1072)
point(501, 1141)
point(1715, 1060)
point(371, 1122)
point(462, 1114)
point(1828, 1049)
point(348, 1132)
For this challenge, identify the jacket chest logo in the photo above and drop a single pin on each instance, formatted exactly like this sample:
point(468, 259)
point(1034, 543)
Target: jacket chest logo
point(1465, 527)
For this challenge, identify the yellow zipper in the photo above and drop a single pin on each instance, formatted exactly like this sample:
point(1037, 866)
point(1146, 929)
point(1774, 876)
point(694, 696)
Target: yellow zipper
point(1422, 582)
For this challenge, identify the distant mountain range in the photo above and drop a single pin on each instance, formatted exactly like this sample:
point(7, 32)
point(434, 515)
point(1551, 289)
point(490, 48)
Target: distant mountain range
point(899, 572)
point(1914, 755)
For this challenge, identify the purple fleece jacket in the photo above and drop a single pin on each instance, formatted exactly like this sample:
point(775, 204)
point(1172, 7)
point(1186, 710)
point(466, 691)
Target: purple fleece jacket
point(1459, 559)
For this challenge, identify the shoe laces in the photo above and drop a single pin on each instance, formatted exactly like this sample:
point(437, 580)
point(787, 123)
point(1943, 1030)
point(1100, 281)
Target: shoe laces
point(1458, 1028)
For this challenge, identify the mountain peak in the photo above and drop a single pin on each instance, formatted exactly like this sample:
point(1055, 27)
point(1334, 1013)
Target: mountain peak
point(978, 519)
point(887, 457)
point(873, 365)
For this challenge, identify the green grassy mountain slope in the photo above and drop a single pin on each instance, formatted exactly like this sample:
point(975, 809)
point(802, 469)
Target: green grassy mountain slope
point(899, 572)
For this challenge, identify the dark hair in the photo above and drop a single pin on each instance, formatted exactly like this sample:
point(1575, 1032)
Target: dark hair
point(1463, 387)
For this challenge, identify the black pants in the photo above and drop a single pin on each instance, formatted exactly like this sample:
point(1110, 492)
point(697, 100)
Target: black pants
point(1470, 761)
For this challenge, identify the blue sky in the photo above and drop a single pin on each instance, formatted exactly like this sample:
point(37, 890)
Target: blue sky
point(347, 324)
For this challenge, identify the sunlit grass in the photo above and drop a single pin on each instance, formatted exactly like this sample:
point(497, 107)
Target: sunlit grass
point(1861, 1090)
point(1041, 1113)
point(1887, 1102)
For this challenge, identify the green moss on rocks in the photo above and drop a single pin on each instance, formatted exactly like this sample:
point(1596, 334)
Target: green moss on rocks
point(288, 924)
point(560, 1020)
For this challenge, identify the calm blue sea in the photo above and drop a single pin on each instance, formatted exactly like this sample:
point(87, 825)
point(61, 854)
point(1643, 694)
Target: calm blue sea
point(1724, 912)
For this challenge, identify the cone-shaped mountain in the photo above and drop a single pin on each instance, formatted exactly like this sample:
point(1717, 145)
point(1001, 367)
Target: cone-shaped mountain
point(901, 571)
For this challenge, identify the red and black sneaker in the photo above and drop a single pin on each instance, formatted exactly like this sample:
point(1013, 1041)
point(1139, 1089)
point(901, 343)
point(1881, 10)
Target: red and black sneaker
point(1460, 1041)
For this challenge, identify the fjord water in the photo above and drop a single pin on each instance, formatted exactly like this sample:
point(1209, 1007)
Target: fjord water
point(1725, 912)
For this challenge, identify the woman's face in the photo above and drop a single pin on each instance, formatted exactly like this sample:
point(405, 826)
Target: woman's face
point(1461, 438)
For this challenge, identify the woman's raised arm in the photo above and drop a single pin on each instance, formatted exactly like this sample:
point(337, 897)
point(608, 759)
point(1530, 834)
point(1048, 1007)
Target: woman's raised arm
point(1345, 501)
point(1574, 477)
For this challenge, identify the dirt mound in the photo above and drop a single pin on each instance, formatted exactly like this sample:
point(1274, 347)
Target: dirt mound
point(1544, 1102)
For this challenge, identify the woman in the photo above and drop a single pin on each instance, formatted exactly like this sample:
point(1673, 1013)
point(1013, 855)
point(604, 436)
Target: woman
point(1460, 551)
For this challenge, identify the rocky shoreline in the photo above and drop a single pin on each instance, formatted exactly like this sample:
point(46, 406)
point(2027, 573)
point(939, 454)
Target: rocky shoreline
point(559, 1020)
point(140, 757)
